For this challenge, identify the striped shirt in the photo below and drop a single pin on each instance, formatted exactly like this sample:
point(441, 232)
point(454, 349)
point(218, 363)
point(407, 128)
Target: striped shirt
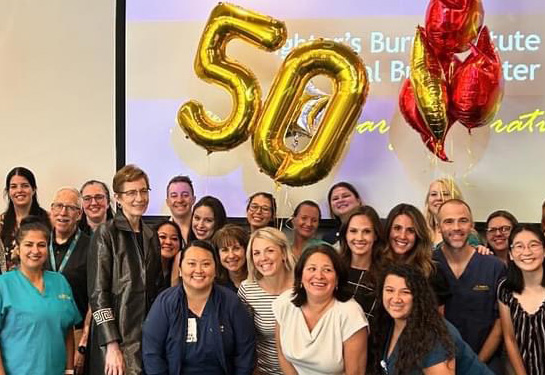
point(259, 303)
point(529, 331)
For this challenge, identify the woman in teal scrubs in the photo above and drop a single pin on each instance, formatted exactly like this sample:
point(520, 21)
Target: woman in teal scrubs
point(37, 310)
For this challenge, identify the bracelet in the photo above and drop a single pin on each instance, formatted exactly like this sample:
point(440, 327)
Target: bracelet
point(69, 372)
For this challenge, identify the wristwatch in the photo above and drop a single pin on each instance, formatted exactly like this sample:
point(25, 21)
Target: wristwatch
point(82, 349)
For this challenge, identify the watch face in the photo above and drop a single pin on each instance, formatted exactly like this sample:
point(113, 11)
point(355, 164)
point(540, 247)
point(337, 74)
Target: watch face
point(81, 349)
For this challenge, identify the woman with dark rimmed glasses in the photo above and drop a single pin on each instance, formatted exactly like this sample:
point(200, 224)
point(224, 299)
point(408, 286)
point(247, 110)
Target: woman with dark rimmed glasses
point(498, 228)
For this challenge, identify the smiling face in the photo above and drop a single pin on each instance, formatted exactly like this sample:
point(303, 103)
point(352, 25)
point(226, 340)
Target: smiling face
point(437, 194)
point(232, 256)
point(402, 236)
point(259, 213)
point(180, 199)
point(527, 251)
point(169, 240)
point(305, 223)
point(20, 191)
point(455, 224)
point(497, 233)
point(95, 202)
point(397, 297)
point(268, 258)
point(198, 269)
point(203, 222)
point(343, 201)
point(319, 278)
point(360, 236)
point(65, 213)
point(134, 198)
point(33, 250)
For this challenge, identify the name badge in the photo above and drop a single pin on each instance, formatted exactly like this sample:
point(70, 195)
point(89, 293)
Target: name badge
point(191, 330)
point(481, 288)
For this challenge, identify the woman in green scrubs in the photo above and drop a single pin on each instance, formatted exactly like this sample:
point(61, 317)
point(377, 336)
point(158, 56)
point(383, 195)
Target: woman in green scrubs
point(37, 310)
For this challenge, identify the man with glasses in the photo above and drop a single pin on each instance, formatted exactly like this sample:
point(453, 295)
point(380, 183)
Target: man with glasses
point(473, 279)
point(180, 200)
point(67, 251)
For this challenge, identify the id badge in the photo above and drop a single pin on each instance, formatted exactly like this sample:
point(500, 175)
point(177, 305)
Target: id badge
point(191, 330)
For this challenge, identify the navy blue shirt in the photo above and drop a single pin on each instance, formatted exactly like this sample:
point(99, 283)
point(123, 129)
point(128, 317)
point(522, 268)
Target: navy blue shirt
point(472, 307)
point(201, 358)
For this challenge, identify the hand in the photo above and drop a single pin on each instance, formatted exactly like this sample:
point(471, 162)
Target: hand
point(114, 362)
point(483, 250)
point(78, 363)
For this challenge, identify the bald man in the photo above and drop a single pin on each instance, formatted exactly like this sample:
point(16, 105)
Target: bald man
point(473, 280)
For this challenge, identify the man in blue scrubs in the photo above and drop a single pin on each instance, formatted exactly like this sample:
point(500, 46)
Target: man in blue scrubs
point(472, 279)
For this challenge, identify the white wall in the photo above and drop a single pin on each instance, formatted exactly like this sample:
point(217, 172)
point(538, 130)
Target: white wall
point(57, 91)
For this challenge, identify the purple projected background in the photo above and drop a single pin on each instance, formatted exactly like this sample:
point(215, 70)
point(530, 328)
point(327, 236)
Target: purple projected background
point(496, 168)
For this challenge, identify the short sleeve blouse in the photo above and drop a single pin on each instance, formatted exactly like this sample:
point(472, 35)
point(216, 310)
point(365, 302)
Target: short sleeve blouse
point(320, 351)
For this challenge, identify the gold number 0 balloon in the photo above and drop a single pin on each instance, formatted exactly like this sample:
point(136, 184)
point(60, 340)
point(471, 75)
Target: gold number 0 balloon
point(350, 84)
point(226, 22)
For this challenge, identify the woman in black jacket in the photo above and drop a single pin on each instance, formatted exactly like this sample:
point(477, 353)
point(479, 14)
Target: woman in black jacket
point(124, 268)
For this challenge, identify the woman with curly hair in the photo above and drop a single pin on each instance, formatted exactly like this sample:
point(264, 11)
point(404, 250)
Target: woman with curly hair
point(362, 240)
point(410, 336)
point(409, 242)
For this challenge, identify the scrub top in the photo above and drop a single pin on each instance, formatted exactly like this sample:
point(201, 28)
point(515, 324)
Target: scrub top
point(33, 325)
point(200, 353)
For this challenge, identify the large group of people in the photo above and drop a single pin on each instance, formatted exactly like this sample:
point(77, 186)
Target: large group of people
point(86, 290)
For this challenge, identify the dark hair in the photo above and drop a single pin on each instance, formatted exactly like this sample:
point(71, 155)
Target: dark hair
point(425, 327)
point(515, 280)
point(109, 212)
point(271, 199)
point(220, 217)
point(345, 185)
point(173, 225)
point(502, 213)
point(342, 291)
point(181, 178)
point(225, 236)
point(202, 244)
point(420, 256)
point(32, 223)
point(7, 233)
point(307, 203)
point(346, 254)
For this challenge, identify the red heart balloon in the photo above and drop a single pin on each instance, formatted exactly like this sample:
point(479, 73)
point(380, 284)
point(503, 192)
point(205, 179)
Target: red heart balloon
point(411, 114)
point(477, 85)
point(451, 25)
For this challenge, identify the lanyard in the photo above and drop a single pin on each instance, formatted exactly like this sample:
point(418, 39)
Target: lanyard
point(66, 256)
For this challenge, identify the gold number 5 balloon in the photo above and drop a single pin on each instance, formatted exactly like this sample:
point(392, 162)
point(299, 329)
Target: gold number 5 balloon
point(269, 127)
point(350, 83)
point(226, 22)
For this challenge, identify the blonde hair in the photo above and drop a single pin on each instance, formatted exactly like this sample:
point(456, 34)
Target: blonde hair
point(277, 238)
point(455, 193)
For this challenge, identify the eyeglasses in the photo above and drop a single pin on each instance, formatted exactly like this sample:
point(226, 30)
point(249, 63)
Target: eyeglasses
point(254, 207)
point(503, 229)
point(134, 193)
point(532, 246)
point(99, 198)
point(58, 207)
